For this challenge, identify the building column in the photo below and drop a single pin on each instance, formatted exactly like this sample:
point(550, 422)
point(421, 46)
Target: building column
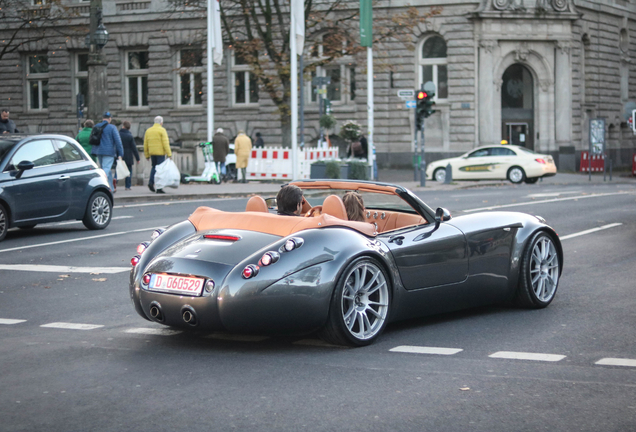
point(486, 91)
point(563, 95)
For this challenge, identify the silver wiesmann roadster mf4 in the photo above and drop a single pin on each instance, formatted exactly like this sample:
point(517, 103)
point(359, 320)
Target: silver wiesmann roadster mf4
point(256, 271)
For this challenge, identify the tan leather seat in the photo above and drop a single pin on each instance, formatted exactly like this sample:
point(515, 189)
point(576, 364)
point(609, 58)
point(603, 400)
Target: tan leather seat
point(256, 204)
point(334, 206)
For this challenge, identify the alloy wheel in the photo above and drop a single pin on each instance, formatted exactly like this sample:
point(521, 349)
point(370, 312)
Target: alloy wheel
point(100, 210)
point(440, 175)
point(544, 269)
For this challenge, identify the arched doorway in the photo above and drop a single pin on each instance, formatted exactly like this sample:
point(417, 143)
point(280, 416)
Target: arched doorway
point(517, 106)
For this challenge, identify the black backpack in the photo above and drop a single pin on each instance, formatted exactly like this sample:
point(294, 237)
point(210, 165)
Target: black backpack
point(96, 134)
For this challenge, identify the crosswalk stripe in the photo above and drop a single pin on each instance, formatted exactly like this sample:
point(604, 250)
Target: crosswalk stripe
point(153, 331)
point(11, 321)
point(72, 326)
point(62, 269)
point(609, 361)
point(527, 356)
point(425, 350)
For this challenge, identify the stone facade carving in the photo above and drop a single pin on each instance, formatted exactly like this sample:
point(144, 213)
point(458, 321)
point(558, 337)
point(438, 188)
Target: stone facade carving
point(488, 45)
point(564, 46)
point(521, 53)
point(519, 6)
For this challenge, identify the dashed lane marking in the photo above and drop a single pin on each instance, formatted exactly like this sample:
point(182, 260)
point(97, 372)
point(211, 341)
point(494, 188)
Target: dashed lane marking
point(237, 337)
point(546, 201)
point(590, 231)
point(72, 326)
point(527, 356)
point(78, 222)
point(425, 350)
point(62, 269)
point(152, 331)
point(616, 362)
point(164, 203)
point(11, 321)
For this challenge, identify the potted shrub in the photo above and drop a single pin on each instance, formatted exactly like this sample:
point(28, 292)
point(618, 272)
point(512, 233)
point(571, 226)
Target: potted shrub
point(351, 131)
point(358, 170)
point(328, 122)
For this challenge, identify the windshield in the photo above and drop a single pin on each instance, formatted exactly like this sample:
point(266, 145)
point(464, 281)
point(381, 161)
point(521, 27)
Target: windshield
point(372, 200)
point(5, 146)
point(527, 150)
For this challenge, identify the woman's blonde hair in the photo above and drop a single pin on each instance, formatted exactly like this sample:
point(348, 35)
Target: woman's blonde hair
point(354, 204)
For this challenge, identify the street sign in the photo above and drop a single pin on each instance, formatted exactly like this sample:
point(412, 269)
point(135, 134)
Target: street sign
point(320, 81)
point(410, 104)
point(597, 135)
point(406, 94)
point(322, 91)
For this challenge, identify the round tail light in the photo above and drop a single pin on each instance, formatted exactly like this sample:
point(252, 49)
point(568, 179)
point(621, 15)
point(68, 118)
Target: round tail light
point(134, 260)
point(250, 271)
point(146, 279)
point(142, 247)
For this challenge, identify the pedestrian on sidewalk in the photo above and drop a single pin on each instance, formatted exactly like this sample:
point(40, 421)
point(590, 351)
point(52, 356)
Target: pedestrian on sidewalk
point(259, 143)
point(220, 149)
point(243, 149)
point(7, 126)
point(109, 146)
point(83, 138)
point(130, 150)
point(156, 149)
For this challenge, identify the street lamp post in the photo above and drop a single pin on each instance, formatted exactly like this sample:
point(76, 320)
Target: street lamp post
point(96, 39)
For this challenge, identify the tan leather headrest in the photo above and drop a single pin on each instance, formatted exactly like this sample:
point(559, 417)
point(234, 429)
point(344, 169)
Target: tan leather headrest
point(256, 204)
point(334, 206)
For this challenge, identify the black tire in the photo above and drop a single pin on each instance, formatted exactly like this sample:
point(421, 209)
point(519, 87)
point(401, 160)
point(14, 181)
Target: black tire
point(27, 227)
point(532, 180)
point(539, 273)
point(4, 222)
point(99, 211)
point(437, 175)
point(358, 305)
point(516, 175)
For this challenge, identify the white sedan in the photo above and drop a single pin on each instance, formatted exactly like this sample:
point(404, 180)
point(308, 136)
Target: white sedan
point(496, 162)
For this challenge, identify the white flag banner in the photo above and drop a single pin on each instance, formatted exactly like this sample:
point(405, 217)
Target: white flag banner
point(298, 10)
point(217, 39)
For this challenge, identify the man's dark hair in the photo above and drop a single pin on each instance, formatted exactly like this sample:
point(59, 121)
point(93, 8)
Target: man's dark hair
point(4, 110)
point(288, 198)
point(126, 124)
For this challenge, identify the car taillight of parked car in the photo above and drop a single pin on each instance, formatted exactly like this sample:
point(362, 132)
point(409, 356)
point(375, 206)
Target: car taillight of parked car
point(541, 160)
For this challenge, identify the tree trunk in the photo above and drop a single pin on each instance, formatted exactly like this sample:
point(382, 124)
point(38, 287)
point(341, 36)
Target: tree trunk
point(285, 122)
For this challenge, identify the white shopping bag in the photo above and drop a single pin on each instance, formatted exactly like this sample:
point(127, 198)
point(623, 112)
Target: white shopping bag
point(167, 175)
point(122, 170)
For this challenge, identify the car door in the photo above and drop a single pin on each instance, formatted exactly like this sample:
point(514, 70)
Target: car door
point(475, 166)
point(80, 172)
point(44, 191)
point(427, 257)
point(502, 159)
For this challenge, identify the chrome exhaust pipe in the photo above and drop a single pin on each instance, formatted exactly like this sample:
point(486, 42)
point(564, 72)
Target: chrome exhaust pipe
point(189, 315)
point(155, 312)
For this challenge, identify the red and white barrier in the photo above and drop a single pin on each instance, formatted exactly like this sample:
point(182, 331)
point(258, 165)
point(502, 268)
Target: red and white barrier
point(598, 162)
point(276, 163)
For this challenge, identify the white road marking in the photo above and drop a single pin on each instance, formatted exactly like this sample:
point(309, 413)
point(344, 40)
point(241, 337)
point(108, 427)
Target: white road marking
point(616, 362)
point(593, 230)
point(237, 337)
point(11, 321)
point(425, 350)
point(72, 326)
point(153, 331)
point(62, 269)
point(77, 239)
point(183, 201)
point(78, 222)
point(527, 356)
point(545, 201)
point(551, 194)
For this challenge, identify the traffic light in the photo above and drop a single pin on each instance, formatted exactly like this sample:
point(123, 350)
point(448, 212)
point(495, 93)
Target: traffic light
point(424, 107)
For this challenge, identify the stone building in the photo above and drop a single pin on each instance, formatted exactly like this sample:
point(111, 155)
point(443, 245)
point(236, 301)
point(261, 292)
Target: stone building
point(530, 71)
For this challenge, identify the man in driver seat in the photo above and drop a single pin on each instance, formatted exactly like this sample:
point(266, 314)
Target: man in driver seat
point(290, 201)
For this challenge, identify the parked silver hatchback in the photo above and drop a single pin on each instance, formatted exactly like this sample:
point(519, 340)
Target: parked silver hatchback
point(50, 178)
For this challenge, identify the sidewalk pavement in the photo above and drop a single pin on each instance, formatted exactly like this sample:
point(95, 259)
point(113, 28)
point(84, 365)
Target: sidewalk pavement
point(402, 177)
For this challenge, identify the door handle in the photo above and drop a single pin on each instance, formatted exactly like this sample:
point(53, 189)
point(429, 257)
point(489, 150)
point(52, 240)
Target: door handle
point(64, 177)
point(397, 239)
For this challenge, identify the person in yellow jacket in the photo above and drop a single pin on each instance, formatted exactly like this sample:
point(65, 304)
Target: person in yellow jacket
point(242, 149)
point(156, 148)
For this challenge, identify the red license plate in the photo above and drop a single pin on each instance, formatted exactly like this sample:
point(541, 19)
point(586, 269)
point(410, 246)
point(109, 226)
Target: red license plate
point(176, 284)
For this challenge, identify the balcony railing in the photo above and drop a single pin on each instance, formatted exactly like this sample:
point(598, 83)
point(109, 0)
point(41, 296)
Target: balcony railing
point(133, 6)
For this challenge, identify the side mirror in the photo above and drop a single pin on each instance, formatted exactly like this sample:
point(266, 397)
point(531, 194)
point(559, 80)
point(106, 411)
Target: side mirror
point(271, 203)
point(442, 215)
point(22, 167)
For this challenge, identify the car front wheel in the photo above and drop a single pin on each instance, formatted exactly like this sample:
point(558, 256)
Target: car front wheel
point(516, 175)
point(440, 175)
point(4, 222)
point(539, 274)
point(98, 211)
point(359, 306)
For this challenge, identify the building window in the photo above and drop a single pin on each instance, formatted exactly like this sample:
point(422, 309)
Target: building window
point(38, 81)
point(137, 79)
point(81, 78)
point(342, 86)
point(190, 77)
point(432, 65)
point(245, 82)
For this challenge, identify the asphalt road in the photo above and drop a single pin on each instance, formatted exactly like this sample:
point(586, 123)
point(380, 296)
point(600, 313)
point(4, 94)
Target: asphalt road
point(129, 374)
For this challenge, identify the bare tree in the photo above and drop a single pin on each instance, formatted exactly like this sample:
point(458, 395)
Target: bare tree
point(258, 32)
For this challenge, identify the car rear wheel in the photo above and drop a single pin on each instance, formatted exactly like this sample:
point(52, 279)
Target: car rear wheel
point(532, 180)
point(440, 175)
point(359, 306)
point(539, 274)
point(4, 222)
point(516, 175)
point(98, 212)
